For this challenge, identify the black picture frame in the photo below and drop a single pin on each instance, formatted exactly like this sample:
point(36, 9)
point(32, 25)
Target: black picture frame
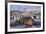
point(22, 2)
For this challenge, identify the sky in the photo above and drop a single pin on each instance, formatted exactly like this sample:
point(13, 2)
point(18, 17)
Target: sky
point(22, 7)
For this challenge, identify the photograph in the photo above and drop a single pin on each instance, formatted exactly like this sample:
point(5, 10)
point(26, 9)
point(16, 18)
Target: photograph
point(24, 17)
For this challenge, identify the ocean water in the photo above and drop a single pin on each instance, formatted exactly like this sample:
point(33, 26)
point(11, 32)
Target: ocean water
point(36, 24)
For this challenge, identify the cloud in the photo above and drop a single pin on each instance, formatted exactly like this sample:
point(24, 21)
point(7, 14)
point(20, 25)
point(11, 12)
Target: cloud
point(21, 7)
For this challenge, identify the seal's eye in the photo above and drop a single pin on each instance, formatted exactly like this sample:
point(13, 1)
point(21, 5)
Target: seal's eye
point(34, 17)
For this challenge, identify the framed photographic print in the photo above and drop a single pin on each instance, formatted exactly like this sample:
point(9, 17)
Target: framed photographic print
point(24, 16)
